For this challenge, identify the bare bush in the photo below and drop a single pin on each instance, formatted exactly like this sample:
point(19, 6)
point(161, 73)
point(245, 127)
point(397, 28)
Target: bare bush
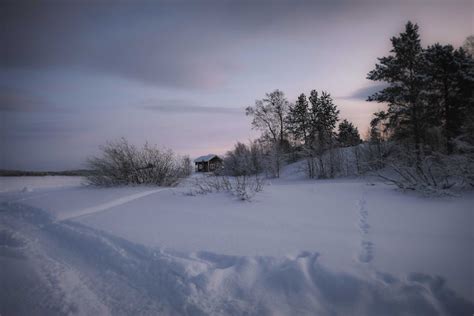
point(122, 163)
point(433, 174)
point(244, 160)
point(243, 187)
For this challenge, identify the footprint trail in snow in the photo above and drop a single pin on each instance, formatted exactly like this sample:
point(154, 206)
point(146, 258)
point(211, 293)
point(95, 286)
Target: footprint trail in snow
point(366, 251)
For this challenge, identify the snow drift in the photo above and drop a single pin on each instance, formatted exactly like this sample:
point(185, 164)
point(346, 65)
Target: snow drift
point(65, 267)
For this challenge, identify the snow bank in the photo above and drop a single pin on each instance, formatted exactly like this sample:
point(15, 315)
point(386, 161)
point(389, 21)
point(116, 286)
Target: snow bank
point(68, 268)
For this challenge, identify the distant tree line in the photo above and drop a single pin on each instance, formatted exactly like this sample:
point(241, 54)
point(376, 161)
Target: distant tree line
point(27, 173)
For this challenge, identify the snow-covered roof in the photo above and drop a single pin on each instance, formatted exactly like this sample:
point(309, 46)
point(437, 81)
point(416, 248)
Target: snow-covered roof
point(205, 158)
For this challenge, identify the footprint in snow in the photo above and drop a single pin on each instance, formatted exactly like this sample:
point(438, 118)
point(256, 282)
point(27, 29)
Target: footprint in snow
point(366, 247)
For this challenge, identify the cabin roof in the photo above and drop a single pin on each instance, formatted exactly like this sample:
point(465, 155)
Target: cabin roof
point(205, 158)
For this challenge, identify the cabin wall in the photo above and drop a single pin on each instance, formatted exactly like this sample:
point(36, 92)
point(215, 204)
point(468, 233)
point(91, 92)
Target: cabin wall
point(209, 166)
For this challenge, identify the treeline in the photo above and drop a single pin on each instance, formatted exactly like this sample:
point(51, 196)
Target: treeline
point(26, 173)
point(306, 129)
point(426, 134)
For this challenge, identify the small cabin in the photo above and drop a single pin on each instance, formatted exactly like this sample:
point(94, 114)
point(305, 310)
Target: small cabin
point(208, 163)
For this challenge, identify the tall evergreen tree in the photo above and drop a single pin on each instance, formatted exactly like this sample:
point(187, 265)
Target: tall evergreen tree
point(323, 118)
point(348, 134)
point(402, 70)
point(298, 120)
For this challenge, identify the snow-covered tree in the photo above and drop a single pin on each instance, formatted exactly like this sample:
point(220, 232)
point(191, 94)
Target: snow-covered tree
point(244, 160)
point(468, 45)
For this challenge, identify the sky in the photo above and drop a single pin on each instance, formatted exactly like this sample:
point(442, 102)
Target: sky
point(179, 74)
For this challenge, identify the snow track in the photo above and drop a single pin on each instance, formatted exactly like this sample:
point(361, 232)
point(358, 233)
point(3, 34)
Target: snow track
point(366, 252)
point(66, 268)
point(107, 205)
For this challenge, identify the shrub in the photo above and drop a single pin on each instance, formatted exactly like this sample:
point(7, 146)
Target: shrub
point(244, 160)
point(434, 174)
point(243, 187)
point(121, 163)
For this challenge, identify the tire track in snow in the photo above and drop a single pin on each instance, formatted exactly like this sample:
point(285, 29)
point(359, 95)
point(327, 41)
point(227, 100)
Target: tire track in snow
point(366, 251)
point(106, 206)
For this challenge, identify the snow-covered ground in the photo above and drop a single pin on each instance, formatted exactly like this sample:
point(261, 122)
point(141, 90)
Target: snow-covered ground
point(336, 247)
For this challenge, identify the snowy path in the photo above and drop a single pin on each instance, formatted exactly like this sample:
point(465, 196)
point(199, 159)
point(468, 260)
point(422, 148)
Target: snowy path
point(106, 206)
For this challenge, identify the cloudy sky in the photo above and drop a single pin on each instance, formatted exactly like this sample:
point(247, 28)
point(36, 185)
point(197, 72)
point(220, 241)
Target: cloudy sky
point(74, 74)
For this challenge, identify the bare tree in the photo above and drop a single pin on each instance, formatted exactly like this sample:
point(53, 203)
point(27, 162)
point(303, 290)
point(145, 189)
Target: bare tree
point(269, 116)
point(468, 45)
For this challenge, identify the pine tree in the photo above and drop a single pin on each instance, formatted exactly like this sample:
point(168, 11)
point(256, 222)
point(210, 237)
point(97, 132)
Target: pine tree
point(348, 134)
point(378, 127)
point(323, 118)
point(403, 72)
point(298, 120)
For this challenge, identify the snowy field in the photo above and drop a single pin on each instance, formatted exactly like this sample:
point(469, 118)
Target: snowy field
point(335, 247)
point(25, 184)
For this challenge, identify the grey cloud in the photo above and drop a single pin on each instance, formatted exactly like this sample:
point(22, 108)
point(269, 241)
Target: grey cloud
point(13, 100)
point(365, 92)
point(183, 44)
point(179, 106)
